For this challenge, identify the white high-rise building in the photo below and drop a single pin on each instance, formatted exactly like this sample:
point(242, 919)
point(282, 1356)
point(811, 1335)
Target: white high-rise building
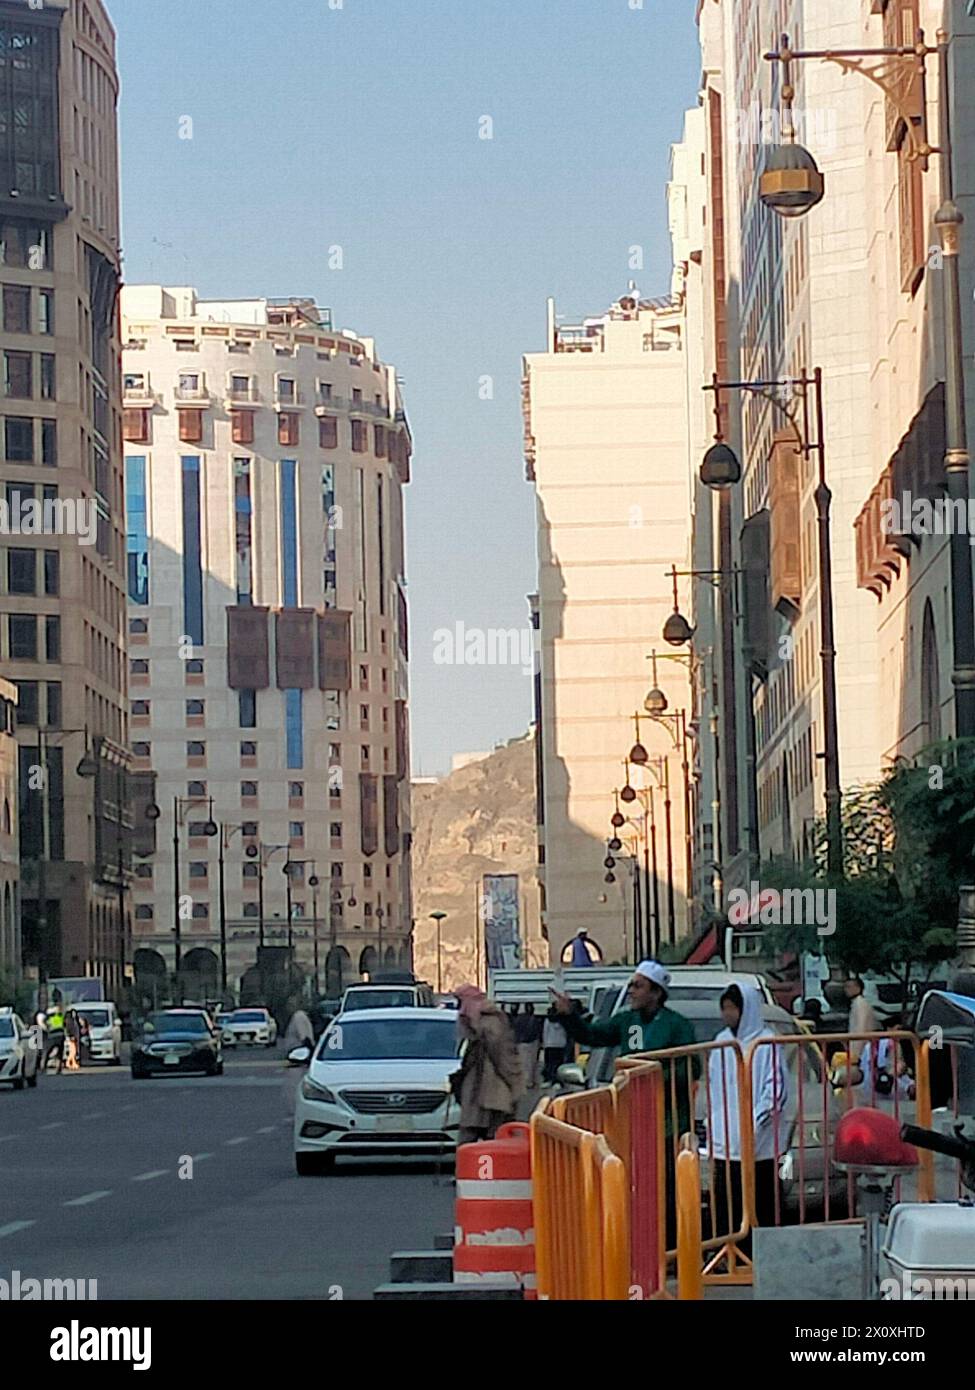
point(265, 458)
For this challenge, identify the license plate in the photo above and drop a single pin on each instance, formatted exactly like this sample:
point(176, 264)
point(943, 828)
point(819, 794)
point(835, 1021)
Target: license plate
point(393, 1124)
point(171, 1060)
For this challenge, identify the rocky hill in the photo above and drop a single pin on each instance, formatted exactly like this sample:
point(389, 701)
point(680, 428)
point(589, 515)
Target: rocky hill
point(478, 820)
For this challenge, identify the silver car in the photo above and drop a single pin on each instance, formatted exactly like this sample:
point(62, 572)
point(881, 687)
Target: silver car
point(20, 1051)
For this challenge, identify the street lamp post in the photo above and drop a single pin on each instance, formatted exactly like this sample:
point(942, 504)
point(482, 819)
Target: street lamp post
point(180, 805)
point(721, 469)
point(438, 918)
point(807, 189)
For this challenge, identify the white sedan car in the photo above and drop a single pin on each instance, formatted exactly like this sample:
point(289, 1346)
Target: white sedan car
point(20, 1051)
point(378, 1082)
point(250, 1027)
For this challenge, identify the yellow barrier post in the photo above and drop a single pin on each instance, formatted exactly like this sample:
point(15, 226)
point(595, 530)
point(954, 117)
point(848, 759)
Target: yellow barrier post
point(690, 1281)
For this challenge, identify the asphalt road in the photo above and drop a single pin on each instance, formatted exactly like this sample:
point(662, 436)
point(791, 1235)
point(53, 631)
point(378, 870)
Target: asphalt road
point(90, 1189)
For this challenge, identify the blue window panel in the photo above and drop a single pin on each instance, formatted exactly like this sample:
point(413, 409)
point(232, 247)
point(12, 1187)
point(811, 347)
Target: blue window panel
point(296, 741)
point(192, 552)
point(137, 536)
point(289, 534)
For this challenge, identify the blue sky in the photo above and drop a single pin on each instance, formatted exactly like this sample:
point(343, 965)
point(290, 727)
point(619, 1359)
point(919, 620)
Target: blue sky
point(358, 127)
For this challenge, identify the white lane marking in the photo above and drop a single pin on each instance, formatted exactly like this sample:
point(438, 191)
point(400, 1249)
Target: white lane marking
point(5, 1137)
point(198, 1158)
point(14, 1227)
point(55, 1124)
point(88, 1198)
point(266, 1129)
point(95, 1115)
point(241, 1139)
point(147, 1177)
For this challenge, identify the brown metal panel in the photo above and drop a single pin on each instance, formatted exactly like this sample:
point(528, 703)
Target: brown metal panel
point(248, 662)
point(294, 648)
point(335, 650)
point(786, 572)
point(369, 811)
point(391, 813)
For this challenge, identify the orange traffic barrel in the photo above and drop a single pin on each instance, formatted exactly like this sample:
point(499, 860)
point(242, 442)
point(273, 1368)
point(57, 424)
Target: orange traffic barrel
point(494, 1231)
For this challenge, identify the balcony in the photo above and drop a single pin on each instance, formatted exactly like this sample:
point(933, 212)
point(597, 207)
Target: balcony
point(197, 396)
point(294, 400)
point(243, 399)
point(138, 395)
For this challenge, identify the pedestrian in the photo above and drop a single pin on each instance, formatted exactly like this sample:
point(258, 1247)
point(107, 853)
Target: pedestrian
point(84, 1039)
point(554, 1040)
point(741, 1009)
point(647, 1026)
point(299, 1033)
point(528, 1036)
point(55, 1037)
point(72, 1033)
point(581, 956)
point(865, 1063)
point(489, 1082)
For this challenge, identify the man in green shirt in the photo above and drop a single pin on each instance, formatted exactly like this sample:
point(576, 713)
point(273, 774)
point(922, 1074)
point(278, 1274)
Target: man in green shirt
point(647, 1026)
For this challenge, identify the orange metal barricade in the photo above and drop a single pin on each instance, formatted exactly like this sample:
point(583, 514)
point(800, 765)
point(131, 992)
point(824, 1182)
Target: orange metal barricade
point(581, 1219)
point(690, 1280)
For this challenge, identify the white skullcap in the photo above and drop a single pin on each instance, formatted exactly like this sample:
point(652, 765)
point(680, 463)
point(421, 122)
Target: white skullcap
point(654, 971)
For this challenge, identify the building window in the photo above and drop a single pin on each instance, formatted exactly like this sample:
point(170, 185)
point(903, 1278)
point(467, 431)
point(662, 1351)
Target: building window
point(137, 531)
point(242, 426)
point(201, 910)
point(250, 871)
point(18, 375)
point(296, 790)
point(143, 871)
point(144, 912)
point(195, 789)
point(27, 708)
point(16, 309)
point(288, 429)
point(296, 829)
point(293, 724)
point(194, 667)
point(198, 868)
point(142, 750)
point(21, 571)
point(286, 390)
point(242, 526)
point(359, 439)
point(191, 426)
point(18, 439)
point(289, 534)
point(364, 717)
point(251, 909)
point(54, 704)
point(138, 667)
point(49, 377)
point(363, 678)
point(328, 432)
point(141, 708)
point(196, 750)
point(335, 833)
point(49, 442)
point(192, 552)
point(198, 829)
point(248, 749)
point(52, 573)
point(247, 708)
point(240, 387)
point(248, 788)
point(138, 627)
point(195, 709)
point(52, 639)
point(249, 829)
point(45, 312)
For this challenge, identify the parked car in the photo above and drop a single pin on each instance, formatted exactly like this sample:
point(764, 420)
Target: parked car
point(251, 1028)
point(106, 1031)
point(383, 995)
point(174, 1041)
point(378, 1083)
point(20, 1051)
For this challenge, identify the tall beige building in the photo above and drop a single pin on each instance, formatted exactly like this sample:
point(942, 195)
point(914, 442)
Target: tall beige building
point(853, 288)
point(266, 455)
point(62, 610)
point(606, 423)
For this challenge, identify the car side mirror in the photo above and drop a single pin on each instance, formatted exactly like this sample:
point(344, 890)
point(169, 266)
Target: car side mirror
point(571, 1074)
point(299, 1056)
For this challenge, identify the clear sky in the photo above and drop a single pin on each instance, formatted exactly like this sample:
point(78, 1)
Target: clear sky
point(317, 124)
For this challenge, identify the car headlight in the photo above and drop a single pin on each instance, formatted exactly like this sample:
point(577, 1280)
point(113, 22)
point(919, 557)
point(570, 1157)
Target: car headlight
point(310, 1090)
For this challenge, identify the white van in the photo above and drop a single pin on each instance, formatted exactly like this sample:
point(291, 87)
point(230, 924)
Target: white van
point(106, 1031)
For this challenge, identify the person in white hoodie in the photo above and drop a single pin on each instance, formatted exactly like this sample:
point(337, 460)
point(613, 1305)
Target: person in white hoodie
point(741, 1010)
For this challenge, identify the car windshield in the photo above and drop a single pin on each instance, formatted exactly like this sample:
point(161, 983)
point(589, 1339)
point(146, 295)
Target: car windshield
point(98, 1018)
point(250, 1016)
point(406, 1039)
point(379, 999)
point(176, 1023)
point(6, 1027)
